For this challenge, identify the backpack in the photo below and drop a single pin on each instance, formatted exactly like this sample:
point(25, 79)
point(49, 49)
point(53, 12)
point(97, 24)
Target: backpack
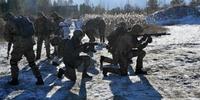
point(24, 26)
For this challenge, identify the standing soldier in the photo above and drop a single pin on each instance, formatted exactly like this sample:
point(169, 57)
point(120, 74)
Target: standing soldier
point(126, 47)
point(57, 48)
point(95, 26)
point(102, 27)
point(42, 28)
point(20, 31)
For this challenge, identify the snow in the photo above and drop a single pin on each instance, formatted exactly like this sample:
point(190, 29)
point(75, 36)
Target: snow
point(174, 73)
point(175, 15)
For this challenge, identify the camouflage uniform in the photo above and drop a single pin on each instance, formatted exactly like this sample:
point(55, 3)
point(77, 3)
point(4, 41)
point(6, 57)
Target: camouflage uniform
point(21, 46)
point(113, 40)
point(42, 27)
point(128, 46)
point(56, 20)
point(72, 59)
point(94, 27)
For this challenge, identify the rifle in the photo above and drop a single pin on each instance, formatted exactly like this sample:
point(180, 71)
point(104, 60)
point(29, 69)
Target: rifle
point(153, 34)
point(90, 44)
point(87, 47)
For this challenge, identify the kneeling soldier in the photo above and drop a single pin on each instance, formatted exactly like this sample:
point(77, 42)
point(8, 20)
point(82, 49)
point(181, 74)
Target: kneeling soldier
point(72, 58)
point(127, 46)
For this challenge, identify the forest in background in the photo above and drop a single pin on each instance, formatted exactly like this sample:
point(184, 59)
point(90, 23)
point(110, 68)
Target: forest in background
point(67, 8)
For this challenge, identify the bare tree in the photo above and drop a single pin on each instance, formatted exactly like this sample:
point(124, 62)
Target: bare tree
point(87, 2)
point(177, 2)
point(70, 2)
point(195, 3)
point(152, 6)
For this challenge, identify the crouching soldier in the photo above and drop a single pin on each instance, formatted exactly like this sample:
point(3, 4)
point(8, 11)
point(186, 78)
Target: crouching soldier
point(20, 30)
point(72, 58)
point(128, 46)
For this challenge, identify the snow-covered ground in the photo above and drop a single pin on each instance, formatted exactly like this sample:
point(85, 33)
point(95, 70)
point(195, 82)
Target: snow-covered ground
point(174, 73)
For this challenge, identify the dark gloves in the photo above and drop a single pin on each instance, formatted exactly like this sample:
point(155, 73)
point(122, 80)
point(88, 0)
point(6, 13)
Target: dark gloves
point(149, 40)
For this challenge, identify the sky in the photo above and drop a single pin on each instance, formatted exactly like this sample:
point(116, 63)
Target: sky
point(109, 4)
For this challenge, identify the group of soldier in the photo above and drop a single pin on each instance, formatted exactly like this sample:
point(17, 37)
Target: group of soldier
point(123, 44)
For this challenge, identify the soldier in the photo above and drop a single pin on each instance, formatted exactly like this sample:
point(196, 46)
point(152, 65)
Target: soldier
point(72, 58)
point(57, 48)
point(20, 34)
point(128, 46)
point(102, 27)
point(56, 19)
point(42, 28)
point(113, 40)
point(93, 27)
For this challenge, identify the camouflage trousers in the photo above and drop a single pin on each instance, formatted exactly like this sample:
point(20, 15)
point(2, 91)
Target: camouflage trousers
point(92, 39)
point(16, 56)
point(39, 46)
point(124, 62)
point(70, 66)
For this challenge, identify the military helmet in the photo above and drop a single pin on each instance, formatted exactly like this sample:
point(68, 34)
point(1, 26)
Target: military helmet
point(137, 28)
point(122, 24)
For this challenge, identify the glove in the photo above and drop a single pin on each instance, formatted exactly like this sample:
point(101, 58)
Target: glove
point(149, 40)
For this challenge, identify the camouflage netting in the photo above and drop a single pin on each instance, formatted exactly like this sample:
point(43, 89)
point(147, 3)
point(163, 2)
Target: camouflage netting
point(113, 20)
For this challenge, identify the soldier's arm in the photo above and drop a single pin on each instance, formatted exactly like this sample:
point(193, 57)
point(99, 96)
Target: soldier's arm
point(85, 47)
point(144, 38)
point(144, 45)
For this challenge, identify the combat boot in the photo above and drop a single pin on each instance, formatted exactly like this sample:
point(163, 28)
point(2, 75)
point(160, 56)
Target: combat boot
point(60, 73)
point(14, 75)
point(70, 73)
point(111, 70)
point(39, 81)
point(13, 82)
point(85, 75)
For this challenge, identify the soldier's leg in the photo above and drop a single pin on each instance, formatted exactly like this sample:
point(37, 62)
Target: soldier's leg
point(69, 71)
point(111, 70)
point(47, 46)
point(86, 63)
point(90, 35)
point(30, 57)
point(39, 47)
point(105, 59)
point(103, 38)
point(102, 35)
point(140, 55)
point(123, 67)
point(16, 56)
